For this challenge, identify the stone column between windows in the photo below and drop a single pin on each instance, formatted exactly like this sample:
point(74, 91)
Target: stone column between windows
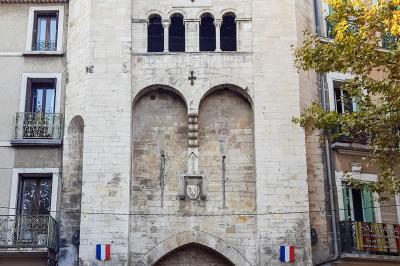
point(218, 24)
point(192, 35)
point(166, 24)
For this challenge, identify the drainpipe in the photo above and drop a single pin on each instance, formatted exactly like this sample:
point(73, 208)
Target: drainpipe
point(329, 164)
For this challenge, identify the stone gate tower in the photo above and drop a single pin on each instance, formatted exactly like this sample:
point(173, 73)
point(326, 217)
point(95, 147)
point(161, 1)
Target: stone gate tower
point(183, 109)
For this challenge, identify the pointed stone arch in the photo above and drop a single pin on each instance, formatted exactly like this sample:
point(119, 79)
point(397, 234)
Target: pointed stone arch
point(194, 237)
point(154, 87)
point(71, 192)
point(243, 92)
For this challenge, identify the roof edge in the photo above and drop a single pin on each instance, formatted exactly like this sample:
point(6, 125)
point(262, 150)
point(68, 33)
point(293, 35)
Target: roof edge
point(32, 1)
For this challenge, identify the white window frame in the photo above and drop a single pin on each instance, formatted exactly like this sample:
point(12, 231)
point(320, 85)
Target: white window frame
point(55, 172)
point(325, 14)
point(341, 177)
point(331, 79)
point(24, 83)
point(60, 28)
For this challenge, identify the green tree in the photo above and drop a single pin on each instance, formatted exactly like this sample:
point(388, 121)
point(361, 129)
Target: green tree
point(358, 31)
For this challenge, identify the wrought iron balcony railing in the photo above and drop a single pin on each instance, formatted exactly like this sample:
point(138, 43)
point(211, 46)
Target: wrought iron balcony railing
point(370, 238)
point(28, 231)
point(353, 137)
point(363, 139)
point(46, 126)
point(45, 46)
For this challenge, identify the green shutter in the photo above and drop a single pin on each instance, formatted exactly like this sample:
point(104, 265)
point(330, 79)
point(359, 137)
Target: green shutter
point(346, 202)
point(330, 9)
point(368, 205)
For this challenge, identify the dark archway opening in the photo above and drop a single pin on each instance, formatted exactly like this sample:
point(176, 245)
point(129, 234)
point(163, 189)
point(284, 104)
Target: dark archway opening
point(193, 254)
point(155, 34)
point(207, 33)
point(177, 34)
point(228, 33)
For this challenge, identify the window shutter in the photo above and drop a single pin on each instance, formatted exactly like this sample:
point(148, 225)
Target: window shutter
point(28, 97)
point(346, 202)
point(368, 205)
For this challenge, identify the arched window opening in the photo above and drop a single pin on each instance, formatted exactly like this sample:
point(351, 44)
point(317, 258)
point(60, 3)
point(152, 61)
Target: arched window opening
point(228, 33)
point(155, 34)
point(177, 34)
point(207, 33)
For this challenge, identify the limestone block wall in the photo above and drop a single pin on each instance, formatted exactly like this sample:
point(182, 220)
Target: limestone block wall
point(282, 190)
point(318, 187)
point(210, 69)
point(99, 91)
point(225, 159)
point(264, 87)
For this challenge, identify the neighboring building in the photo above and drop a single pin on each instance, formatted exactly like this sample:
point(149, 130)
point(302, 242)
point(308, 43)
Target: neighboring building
point(176, 145)
point(32, 85)
point(368, 230)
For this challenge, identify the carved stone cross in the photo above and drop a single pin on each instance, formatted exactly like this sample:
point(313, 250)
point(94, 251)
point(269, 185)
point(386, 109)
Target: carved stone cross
point(192, 78)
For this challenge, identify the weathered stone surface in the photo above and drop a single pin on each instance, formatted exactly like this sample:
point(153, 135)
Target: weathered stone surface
point(193, 255)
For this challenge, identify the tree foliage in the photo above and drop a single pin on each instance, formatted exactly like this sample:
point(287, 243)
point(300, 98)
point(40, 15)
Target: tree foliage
point(359, 30)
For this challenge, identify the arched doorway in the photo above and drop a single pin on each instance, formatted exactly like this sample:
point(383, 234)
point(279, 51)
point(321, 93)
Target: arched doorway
point(193, 255)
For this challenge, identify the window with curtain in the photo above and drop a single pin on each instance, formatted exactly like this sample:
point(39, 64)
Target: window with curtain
point(45, 31)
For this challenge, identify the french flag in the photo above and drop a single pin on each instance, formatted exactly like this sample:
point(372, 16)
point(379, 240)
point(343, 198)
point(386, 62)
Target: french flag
point(287, 253)
point(103, 252)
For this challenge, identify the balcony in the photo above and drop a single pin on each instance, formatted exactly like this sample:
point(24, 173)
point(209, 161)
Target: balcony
point(29, 233)
point(37, 129)
point(370, 238)
point(355, 142)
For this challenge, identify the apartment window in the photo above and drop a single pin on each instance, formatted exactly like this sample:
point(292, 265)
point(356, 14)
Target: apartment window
point(358, 204)
point(45, 29)
point(39, 114)
point(33, 209)
point(344, 103)
point(34, 196)
point(40, 95)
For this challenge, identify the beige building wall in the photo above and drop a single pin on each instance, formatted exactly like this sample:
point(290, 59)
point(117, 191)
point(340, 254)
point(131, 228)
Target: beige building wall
point(14, 62)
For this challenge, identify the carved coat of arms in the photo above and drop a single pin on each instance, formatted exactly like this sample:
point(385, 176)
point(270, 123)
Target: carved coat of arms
point(193, 191)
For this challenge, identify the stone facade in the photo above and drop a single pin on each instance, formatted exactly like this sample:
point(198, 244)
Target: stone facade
point(139, 110)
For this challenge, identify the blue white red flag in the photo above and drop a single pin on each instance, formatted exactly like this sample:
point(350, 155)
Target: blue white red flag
point(103, 252)
point(287, 253)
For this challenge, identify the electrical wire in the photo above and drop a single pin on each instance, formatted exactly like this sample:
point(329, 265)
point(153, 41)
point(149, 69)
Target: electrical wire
point(204, 214)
